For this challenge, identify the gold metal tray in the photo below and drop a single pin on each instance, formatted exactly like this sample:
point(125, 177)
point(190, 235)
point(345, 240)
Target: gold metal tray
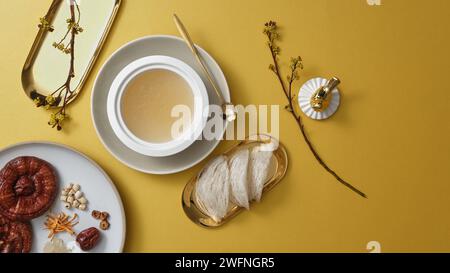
point(194, 211)
point(46, 68)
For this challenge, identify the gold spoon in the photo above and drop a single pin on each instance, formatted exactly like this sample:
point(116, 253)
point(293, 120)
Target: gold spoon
point(227, 107)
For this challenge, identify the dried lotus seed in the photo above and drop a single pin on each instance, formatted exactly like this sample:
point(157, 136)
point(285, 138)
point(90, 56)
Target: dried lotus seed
point(63, 198)
point(82, 200)
point(76, 187)
point(64, 193)
point(78, 195)
point(70, 199)
point(82, 207)
point(71, 193)
point(75, 204)
point(67, 206)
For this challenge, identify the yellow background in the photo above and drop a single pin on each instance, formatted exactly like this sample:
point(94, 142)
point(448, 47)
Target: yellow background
point(390, 137)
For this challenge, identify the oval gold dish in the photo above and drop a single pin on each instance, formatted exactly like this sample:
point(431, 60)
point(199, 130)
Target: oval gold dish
point(47, 68)
point(278, 168)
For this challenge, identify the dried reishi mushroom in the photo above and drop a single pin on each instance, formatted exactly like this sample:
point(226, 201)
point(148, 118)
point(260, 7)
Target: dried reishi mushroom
point(104, 225)
point(88, 238)
point(15, 237)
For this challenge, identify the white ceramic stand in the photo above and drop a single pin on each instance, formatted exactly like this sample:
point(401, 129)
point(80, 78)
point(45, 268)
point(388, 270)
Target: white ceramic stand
point(306, 93)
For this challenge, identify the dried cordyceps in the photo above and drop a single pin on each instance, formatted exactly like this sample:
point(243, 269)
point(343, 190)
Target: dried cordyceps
point(273, 36)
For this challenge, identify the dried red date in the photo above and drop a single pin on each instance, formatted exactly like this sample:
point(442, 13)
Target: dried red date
point(88, 238)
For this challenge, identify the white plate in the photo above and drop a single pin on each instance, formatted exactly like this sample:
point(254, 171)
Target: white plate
point(74, 167)
point(152, 45)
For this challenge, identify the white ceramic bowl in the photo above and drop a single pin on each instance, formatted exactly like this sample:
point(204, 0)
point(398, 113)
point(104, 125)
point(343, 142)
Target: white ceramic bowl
point(199, 117)
point(148, 46)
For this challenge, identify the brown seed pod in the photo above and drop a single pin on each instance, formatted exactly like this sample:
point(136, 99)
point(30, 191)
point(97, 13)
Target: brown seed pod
point(104, 225)
point(88, 238)
point(96, 214)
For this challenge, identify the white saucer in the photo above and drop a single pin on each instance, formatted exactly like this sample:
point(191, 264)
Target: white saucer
point(152, 45)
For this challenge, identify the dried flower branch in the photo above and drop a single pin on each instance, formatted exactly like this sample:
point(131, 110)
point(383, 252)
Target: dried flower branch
point(273, 36)
point(64, 93)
